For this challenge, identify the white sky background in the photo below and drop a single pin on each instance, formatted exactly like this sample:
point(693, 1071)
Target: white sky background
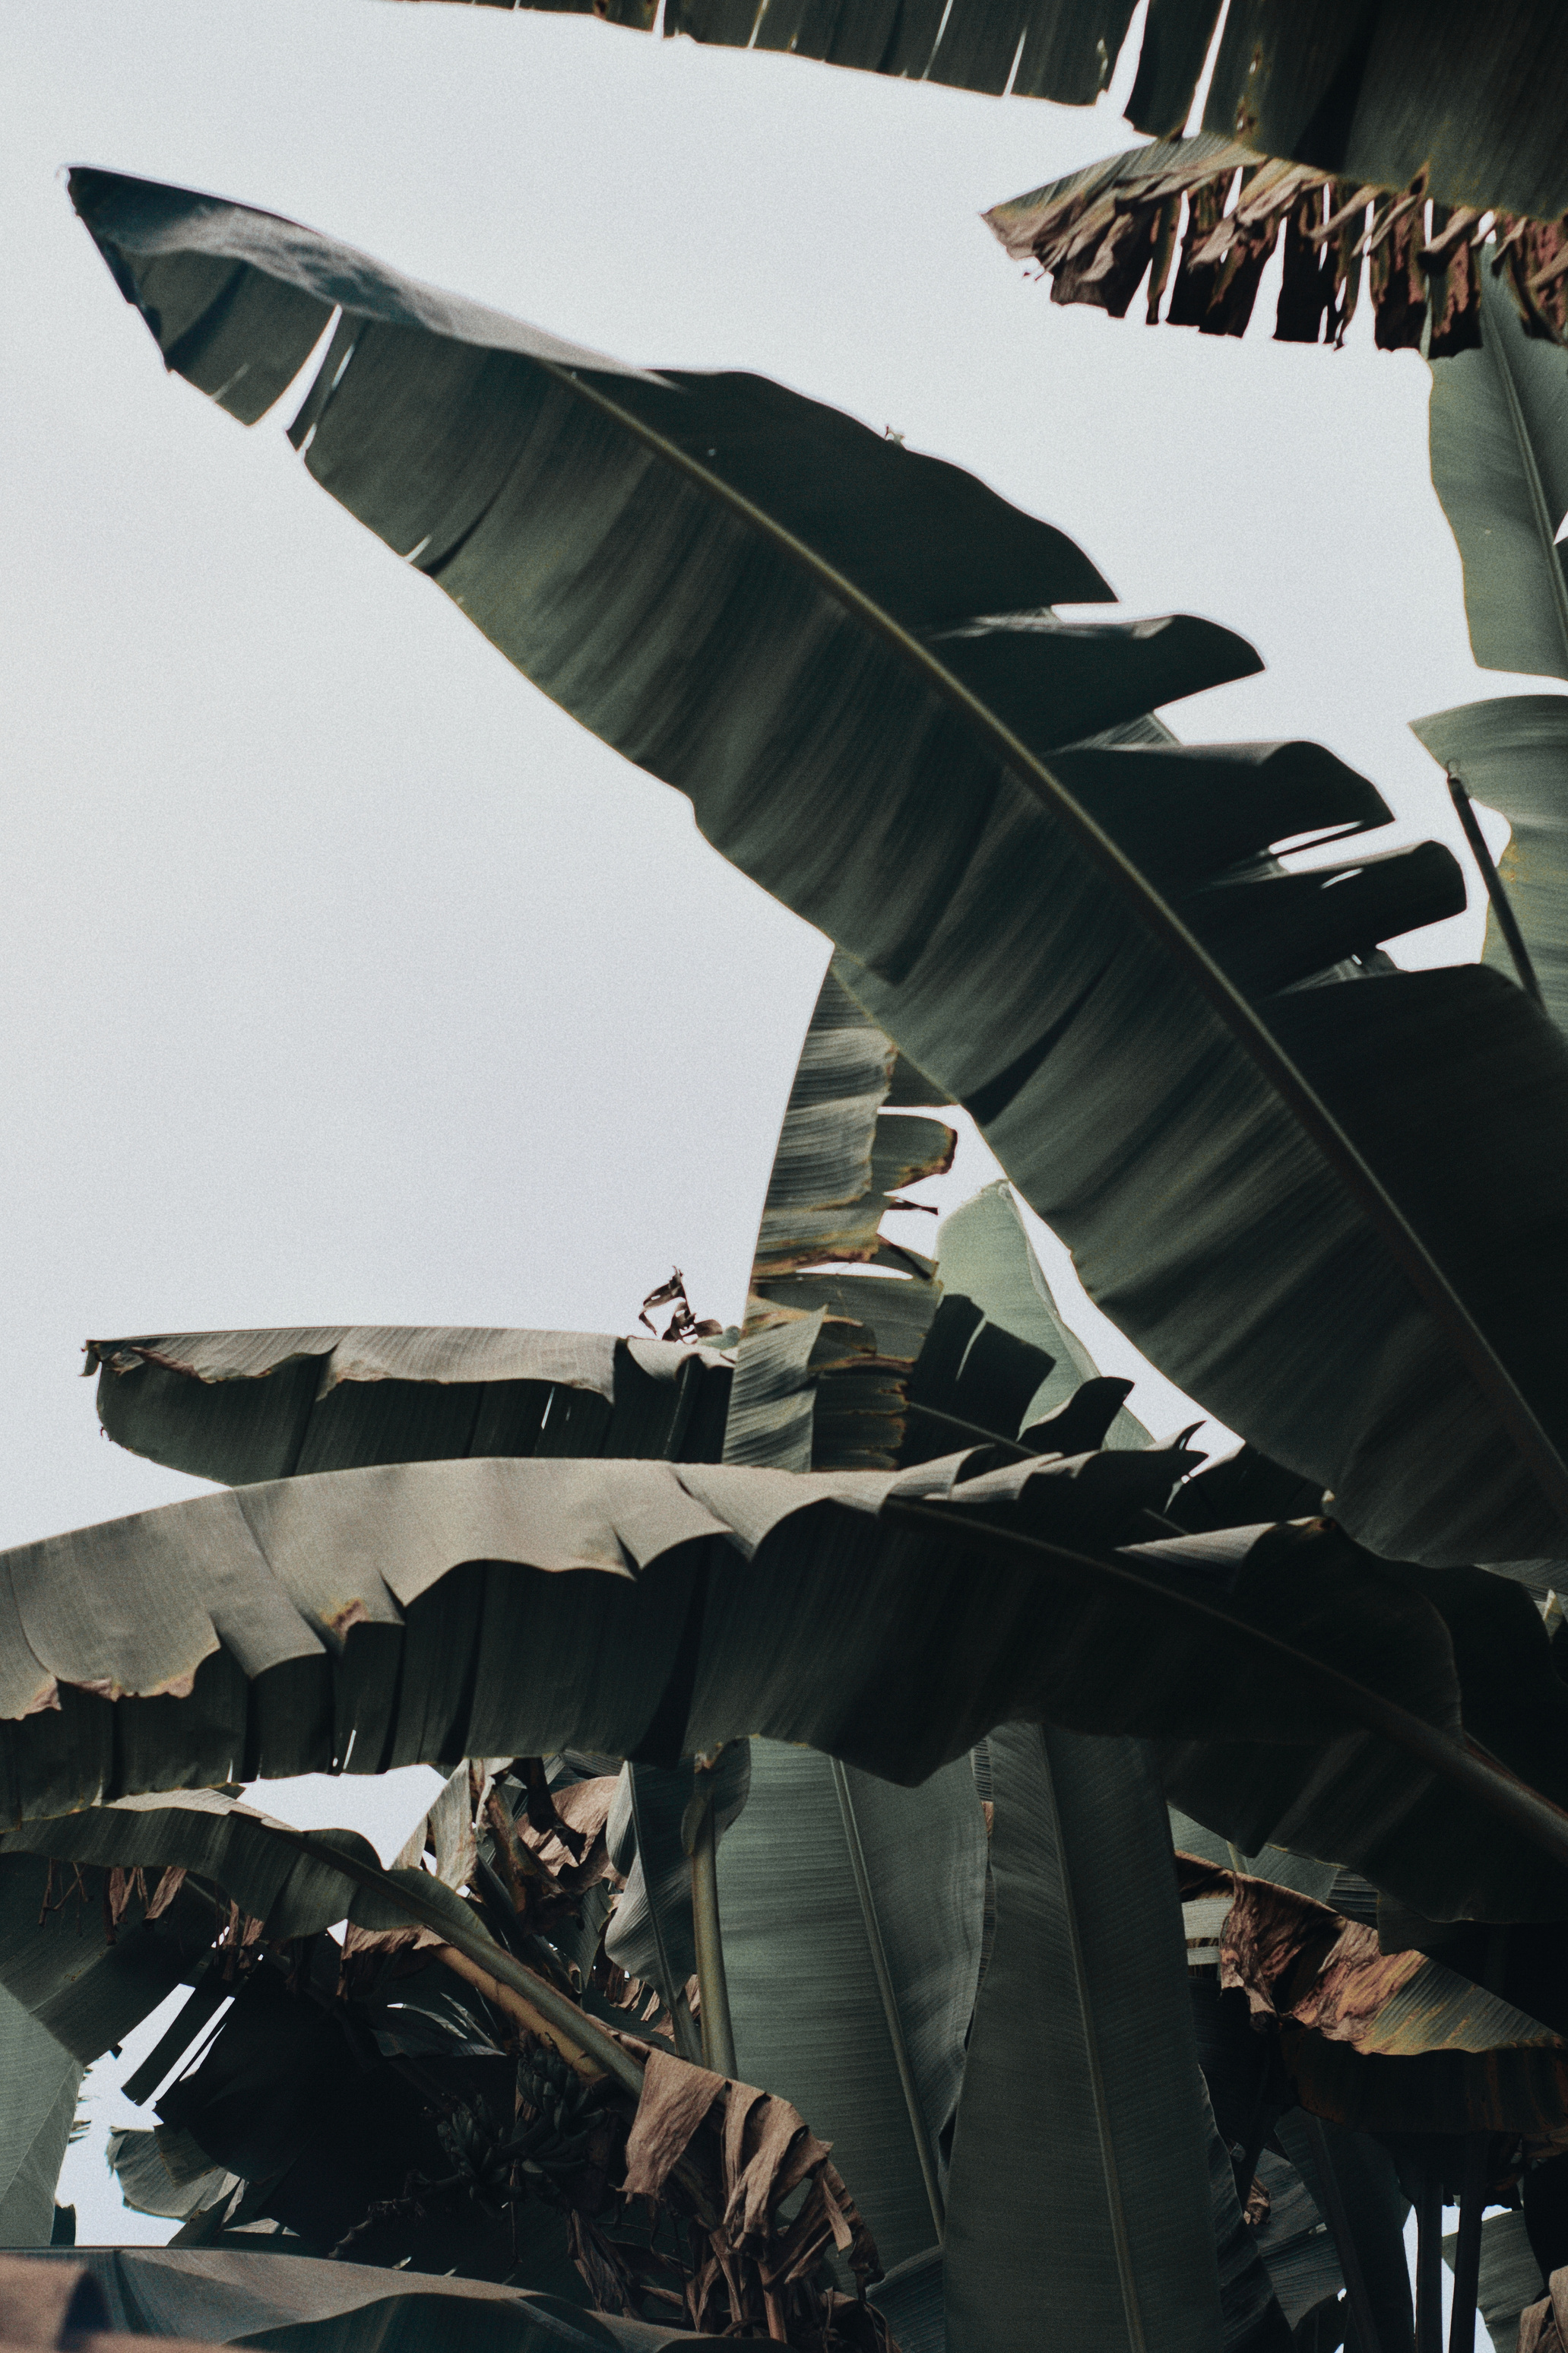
point(344, 978)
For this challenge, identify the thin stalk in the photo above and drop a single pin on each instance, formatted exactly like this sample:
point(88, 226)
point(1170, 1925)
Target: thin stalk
point(1429, 2263)
point(1467, 2252)
point(1508, 922)
point(889, 1998)
point(1338, 2222)
point(1536, 1448)
point(1461, 1762)
point(717, 2032)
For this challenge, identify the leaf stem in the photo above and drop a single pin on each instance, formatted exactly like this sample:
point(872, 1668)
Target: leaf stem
point(717, 2032)
point(1508, 922)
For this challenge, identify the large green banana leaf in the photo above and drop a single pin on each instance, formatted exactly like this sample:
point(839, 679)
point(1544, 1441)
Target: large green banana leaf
point(1499, 465)
point(1512, 754)
point(427, 1611)
point(1369, 92)
point(295, 2304)
point(1334, 1218)
point(41, 2082)
point(985, 1254)
point(852, 1914)
point(1083, 2067)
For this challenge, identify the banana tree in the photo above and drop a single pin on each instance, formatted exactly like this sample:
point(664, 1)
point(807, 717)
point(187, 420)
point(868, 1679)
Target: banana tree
point(1280, 1193)
point(399, 1570)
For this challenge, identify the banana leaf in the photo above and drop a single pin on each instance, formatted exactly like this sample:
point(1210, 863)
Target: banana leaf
point(1294, 2241)
point(984, 1253)
point(41, 2083)
point(1301, 1872)
point(1370, 94)
point(359, 1619)
point(240, 1407)
point(1499, 465)
point(300, 2304)
point(1083, 2067)
point(1309, 1208)
point(165, 2173)
point(1510, 2277)
point(1375, 2209)
point(823, 1369)
point(1512, 754)
point(852, 1915)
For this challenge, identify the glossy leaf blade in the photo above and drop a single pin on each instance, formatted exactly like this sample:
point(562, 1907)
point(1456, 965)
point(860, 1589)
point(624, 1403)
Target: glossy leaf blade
point(877, 740)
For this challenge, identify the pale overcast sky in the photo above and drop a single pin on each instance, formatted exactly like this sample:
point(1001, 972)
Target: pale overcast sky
point(345, 979)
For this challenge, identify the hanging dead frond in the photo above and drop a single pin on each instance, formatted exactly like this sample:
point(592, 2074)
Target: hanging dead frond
point(1100, 233)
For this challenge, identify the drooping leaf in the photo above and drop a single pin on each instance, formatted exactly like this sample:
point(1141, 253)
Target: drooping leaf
point(852, 1916)
point(1499, 465)
point(1389, 2041)
point(1512, 754)
point(1310, 1215)
point(245, 1406)
point(41, 2081)
point(429, 1611)
point(985, 1254)
point(1102, 231)
point(1082, 2066)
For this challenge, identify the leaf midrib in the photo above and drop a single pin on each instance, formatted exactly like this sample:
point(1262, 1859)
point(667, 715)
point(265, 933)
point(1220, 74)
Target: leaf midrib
point(1536, 1450)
